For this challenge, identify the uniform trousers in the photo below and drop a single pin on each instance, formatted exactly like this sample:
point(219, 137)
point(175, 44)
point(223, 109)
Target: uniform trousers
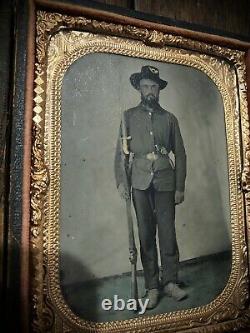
point(157, 209)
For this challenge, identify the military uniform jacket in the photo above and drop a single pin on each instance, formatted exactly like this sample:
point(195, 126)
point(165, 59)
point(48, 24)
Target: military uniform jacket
point(149, 130)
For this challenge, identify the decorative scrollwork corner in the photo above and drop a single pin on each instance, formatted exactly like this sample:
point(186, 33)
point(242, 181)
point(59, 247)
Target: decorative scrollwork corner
point(48, 315)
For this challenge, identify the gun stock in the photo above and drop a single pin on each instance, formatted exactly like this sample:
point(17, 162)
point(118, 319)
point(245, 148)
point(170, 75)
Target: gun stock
point(132, 252)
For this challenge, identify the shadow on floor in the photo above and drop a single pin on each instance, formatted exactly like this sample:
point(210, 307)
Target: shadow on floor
point(203, 278)
point(78, 294)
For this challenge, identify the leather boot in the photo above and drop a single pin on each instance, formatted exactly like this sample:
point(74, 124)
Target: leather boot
point(173, 290)
point(153, 296)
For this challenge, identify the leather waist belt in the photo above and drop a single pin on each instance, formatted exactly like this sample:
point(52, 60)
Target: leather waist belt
point(150, 156)
point(161, 151)
point(153, 156)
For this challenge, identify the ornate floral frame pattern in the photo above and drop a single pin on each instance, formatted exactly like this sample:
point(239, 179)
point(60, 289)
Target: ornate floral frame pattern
point(60, 40)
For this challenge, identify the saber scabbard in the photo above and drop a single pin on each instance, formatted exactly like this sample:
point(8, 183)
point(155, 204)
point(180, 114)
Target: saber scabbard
point(127, 162)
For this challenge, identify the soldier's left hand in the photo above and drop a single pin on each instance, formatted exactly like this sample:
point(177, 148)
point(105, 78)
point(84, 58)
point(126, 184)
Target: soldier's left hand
point(179, 197)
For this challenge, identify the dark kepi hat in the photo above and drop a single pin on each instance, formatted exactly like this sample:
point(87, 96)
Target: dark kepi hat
point(147, 72)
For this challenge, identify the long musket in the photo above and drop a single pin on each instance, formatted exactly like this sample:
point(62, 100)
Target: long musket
point(127, 161)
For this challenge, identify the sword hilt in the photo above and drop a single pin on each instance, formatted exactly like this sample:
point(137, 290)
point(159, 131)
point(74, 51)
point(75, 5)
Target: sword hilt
point(125, 144)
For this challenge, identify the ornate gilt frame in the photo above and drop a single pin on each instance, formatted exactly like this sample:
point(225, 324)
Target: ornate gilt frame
point(60, 40)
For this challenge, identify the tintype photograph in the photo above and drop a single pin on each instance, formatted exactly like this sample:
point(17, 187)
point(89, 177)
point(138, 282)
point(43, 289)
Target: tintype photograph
point(139, 175)
point(125, 166)
point(143, 141)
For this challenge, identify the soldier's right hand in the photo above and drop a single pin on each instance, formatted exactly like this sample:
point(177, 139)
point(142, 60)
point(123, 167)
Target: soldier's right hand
point(124, 193)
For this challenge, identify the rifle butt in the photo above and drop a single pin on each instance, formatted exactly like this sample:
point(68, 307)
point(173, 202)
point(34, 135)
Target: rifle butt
point(134, 285)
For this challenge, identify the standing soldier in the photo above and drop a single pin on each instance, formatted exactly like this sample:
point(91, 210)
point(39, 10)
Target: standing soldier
point(157, 184)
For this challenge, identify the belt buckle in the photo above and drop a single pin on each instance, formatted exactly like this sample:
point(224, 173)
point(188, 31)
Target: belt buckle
point(152, 156)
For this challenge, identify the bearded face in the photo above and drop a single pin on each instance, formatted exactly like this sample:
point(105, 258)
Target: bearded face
point(149, 92)
point(150, 100)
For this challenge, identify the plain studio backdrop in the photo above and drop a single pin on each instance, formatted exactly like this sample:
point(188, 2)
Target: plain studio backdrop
point(93, 227)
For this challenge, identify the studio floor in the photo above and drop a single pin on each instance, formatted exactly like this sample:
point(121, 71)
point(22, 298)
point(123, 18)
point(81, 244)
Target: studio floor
point(203, 279)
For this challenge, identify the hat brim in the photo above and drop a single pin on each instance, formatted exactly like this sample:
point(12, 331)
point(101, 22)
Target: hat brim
point(137, 77)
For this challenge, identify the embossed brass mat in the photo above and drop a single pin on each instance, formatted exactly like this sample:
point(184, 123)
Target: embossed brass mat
point(56, 50)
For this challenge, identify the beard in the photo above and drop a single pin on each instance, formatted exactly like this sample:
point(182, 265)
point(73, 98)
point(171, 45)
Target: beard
point(150, 100)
